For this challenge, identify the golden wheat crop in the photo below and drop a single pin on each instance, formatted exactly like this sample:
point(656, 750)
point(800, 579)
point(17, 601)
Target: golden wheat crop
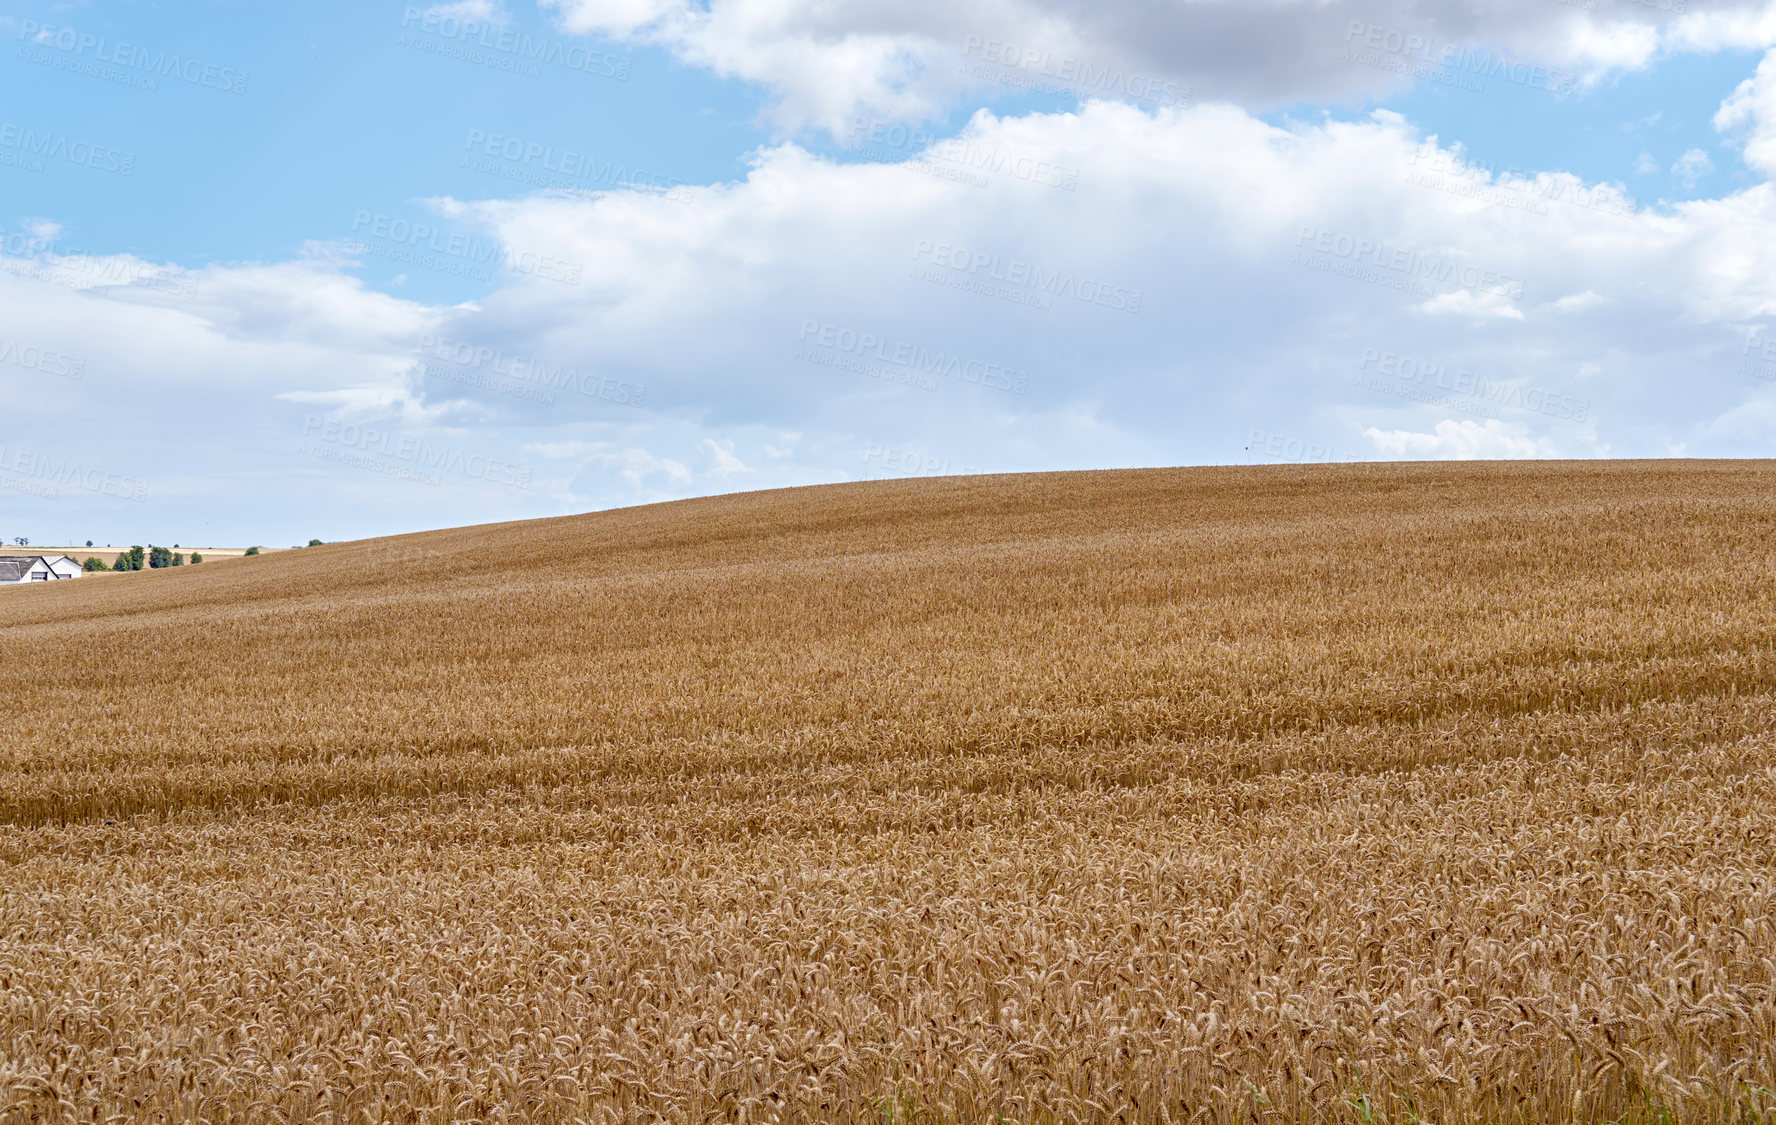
point(1367, 793)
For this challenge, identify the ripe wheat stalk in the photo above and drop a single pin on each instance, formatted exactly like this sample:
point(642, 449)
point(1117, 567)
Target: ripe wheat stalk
point(1396, 793)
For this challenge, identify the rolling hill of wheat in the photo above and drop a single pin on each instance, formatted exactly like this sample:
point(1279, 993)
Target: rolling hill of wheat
point(1366, 793)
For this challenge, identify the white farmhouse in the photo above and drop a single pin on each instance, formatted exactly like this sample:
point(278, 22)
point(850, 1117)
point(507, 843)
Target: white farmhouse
point(36, 568)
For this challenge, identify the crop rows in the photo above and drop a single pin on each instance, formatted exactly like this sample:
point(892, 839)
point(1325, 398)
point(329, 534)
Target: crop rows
point(1392, 793)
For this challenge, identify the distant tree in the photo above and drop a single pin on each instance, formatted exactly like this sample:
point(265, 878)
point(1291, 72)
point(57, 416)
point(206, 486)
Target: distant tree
point(22, 541)
point(196, 558)
point(252, 550)
point(89, 542)
point(315, 543)
point(178, 557)
point(159, 557)
point(136, 558)
point(95, 564)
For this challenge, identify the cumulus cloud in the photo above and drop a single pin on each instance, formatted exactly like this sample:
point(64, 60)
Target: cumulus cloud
point(1716, 27)
point(1750, 113)
point(831, 61)
point(1692, 166)
point(719, 455)
point(637, 466)
point(1208, 275)
point(1479, 304)
point(1466, 440)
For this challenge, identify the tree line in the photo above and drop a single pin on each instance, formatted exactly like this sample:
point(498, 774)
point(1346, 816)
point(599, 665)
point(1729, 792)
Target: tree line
point(153, 558)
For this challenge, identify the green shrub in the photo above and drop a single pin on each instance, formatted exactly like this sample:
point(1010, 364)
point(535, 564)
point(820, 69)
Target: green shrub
point(252, 550)
point(196, 558)
point(95, 564)
point(159, 557)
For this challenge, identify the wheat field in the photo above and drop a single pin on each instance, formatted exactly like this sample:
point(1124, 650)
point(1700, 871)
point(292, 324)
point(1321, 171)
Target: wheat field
point(1337, 793)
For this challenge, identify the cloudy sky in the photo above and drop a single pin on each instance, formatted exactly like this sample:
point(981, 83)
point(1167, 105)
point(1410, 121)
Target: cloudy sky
point(342, 269)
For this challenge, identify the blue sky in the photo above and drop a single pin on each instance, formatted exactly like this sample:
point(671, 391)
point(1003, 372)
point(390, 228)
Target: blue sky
point(344, 270)
point(335, 118)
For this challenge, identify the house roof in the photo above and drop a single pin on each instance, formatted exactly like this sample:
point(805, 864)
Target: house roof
point(15, 567)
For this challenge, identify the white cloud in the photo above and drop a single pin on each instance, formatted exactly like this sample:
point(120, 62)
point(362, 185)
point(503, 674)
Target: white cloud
point(471, 11)
point(1466, 440)
point(638, 466)
point(1469, 303)
point(1717, 27)
point(784, 446)
point(1211, 215)
point(720, 458)
point(1692, 166)
point(829, 61)
point(633, 464)
point(1750, 111)
point(1574, 303)
point(1602, 45)
point(1747, 423)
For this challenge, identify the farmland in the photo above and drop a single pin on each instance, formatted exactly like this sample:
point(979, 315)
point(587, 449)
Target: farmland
point(1368, 792)
point(109, 554)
